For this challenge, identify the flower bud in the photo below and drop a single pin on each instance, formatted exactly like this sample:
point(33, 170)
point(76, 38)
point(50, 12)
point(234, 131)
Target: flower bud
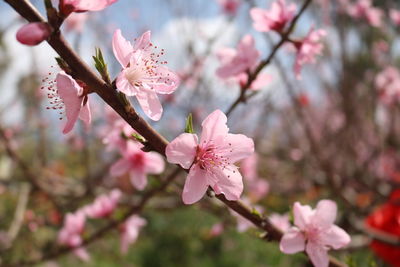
point(33, 33)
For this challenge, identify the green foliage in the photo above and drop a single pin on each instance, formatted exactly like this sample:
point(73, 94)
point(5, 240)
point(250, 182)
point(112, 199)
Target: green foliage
point(101, 65)
point(189, 124)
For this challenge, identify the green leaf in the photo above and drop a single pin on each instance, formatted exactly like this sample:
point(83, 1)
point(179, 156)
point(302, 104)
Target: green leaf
point(101, 65)
point(189, 124)
point(138, 137)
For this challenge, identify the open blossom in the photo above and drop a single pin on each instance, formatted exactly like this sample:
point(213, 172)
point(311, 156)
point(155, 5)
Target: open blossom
point(103, 205)
point(211, 159)
point(235, 62)
point(230, 7)
point(314, 232)
point(395, 16)
point(68, 6)
point(130, 231)
point(363, 9)
point(70, 234)
point(308, 49)
point(143, 74)
point(138, 164)
point(33, 33)
point(70, 96)
point(274, 19)
point(256, 187)
point(387, 83)
point(386, 220)
point(280, 221)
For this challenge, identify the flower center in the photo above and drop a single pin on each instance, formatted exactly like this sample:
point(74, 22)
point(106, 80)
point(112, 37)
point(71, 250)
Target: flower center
point(208, 158)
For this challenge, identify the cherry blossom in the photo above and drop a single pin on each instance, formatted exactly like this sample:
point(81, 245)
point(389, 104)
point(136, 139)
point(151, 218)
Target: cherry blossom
point(103, 205)
point(314, 232)
point(308, 49)
point(143, 74)
point(274, 19)
point(230, 7)
point(387, 83)
point(138, 164)
point(70, 234)
point(68, 6)
point(130, 231)
point(395, 16)
point(33, 33)
point(211, 159)
point(363, 9)
point(70, 96)
point(235, 62)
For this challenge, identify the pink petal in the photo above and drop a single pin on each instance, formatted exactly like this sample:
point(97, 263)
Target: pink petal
point(195, 185)
point(150, 104)
point(167, 82)
point(122, 48)
point(293, 241)
point(154, 163)
point(302, 215)
point(335, 237)
point(85, 114)
point(120, 167)
point(325, 213)
point(90, 5)
point(138, 179)
point(33, 33)
point(237, 147)
point(125, 86)
point(317, 254)
point(143, 41)
point(214, 128)
point(182, 150)
point(229, 182)
point(82, 254)
point(68, 90)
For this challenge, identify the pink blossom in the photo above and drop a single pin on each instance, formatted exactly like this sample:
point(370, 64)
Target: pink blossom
point(230, 7)
point(103, 205)
point(68, 6)
point(76, 22)
point(314, 232)
point(363, 9)
point(387, 83)
point(70, 96)
point(261, 80)
point(308, 49)
point(395, 16)
point(33, 33)
point(238, 61)
point(217, 229)
point(143, 75)
point(211, 160)
point(280, 221)
point(274, 19)
point(138, 164)
point(130, 231)
point(70, 234)
point(257, 187)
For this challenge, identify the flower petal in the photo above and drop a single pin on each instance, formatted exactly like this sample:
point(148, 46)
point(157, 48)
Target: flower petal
point(229, 182)
point(335, 237)
point(69, 90)
point(85, 114)
point(124, 85)
point(120, 167)
point(302, 215)
point(154, 163)
point(214, 127)
point(195, 185)
point(138, 179)
point(143, 41)
point(237, 147)
point(167, 81)
point(325, 213)
point(122, 48)
point(150, 104)
point(317, 254)
point(182, 150)
point(293, 241)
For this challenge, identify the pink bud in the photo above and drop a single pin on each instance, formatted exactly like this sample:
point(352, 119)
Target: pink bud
point(33, 33)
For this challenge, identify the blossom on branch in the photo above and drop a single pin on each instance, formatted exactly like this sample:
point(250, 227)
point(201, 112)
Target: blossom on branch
point(363, 9)
point(68, 6)
point(211, 159)
point(143, 74)
point(138, 164)
point(103, 205)
point(314, 232)
point(33, 33)
point(274, 19)
point(130, 231)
